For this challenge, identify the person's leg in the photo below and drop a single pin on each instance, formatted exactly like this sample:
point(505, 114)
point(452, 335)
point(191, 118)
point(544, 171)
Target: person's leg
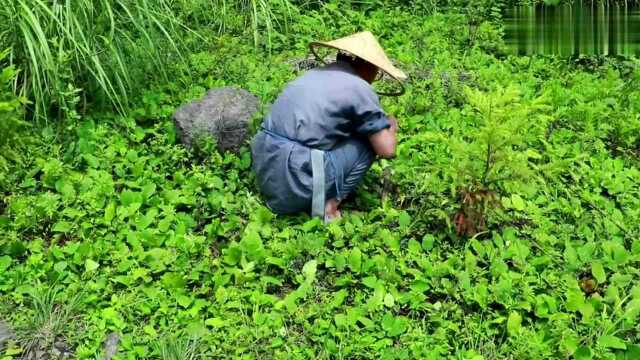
point(351, 160)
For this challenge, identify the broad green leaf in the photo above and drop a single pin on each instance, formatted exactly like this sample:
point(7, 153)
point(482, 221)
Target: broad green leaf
point(470, 261)
point(598, 272)
point(340, 320)
point(632, 353)
point(109, 212)
point(612, 295)
point(173, 281)
point(128, 197)
point(366, 322)
point(245, 161)
point(621, 280)
point(338, 298)
point(91, 160)
point(10, 351)
point(387, 321)
point(149, 330)
point(216, 182)
point(370, 282)
point(90, 265)
point(64, 187)
point(390, 239)
point(184, 300)
point(404, 220)
point(62, 227)
point(309, 270)
point(514, 323)
point(472, 355)
point(517, 202)
point(215, 322)
point(570, 343)
point(60, 266)
point(570, 255)
point(5, 262)
point(279, 262)
point(393, 325)
point(635, 247)
point(148, 190)
point(583, 353)
point(533, 154)
point(545, 305)
point(389, 301)
point(355, 260)
point(611, 342)
point(428, 241)
point(341, 262)
point(419, 286)
point(575, 300)
point(251, 242)
point(376, 300)
point(632, 310)
point(585, 252)
point(338, 234)
point(587, 310)
point(414, 246)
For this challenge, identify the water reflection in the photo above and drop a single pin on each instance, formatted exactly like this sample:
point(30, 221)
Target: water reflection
point(584, 27)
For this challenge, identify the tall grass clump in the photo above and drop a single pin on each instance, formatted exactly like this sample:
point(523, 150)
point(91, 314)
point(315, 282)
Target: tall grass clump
point(264, 17)
point(52, 315)
point(173, 348)
point(100, 48)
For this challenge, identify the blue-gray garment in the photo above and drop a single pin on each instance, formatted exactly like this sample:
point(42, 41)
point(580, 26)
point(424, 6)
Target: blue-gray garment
point(322, 109)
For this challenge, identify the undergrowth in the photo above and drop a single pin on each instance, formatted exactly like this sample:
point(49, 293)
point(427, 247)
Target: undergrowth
point(506, 228)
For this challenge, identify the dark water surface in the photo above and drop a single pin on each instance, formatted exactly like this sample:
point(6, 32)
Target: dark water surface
point(584, 27)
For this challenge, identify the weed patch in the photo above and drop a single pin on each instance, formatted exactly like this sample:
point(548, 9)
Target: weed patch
point(506, 228)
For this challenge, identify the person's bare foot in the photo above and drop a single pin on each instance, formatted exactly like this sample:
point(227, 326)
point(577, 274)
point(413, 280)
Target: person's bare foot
point(331, 211)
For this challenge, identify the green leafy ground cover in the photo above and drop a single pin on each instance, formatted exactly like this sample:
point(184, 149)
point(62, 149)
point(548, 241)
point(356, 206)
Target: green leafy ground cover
point(508, 227)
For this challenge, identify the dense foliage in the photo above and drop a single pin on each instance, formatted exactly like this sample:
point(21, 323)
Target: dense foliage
point(508, 227)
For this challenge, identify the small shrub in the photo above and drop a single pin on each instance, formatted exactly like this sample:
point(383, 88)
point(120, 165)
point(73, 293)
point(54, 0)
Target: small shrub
point(11, 117)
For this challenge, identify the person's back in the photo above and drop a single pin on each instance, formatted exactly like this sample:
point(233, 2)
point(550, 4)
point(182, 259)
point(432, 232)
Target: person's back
point(324, 106)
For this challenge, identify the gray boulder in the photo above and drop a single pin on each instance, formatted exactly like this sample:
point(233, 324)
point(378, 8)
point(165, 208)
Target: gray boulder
point(223, 114)
point(111, 346)
point(6, 333)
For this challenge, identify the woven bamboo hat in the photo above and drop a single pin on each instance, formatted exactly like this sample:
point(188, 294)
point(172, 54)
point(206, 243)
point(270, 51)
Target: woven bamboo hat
point(365, 46)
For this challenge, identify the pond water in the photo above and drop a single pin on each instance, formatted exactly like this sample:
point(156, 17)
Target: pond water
point(584, 27)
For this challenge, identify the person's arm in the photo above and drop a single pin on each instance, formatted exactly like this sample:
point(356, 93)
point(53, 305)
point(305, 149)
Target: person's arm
point(372, 122)
point(384, 141)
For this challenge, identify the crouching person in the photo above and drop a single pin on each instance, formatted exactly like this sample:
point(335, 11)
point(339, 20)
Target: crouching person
point(325, 130)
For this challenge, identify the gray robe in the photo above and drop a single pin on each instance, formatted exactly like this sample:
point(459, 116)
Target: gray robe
point(324, 109)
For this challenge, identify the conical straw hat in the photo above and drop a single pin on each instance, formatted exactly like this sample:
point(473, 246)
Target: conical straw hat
point(365, 46)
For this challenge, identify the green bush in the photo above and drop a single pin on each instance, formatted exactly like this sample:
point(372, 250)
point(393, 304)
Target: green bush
point(11, 118)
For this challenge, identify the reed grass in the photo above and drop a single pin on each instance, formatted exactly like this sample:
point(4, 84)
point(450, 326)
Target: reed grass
point(263, 17)
point(88, 44)
point(103, 49)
